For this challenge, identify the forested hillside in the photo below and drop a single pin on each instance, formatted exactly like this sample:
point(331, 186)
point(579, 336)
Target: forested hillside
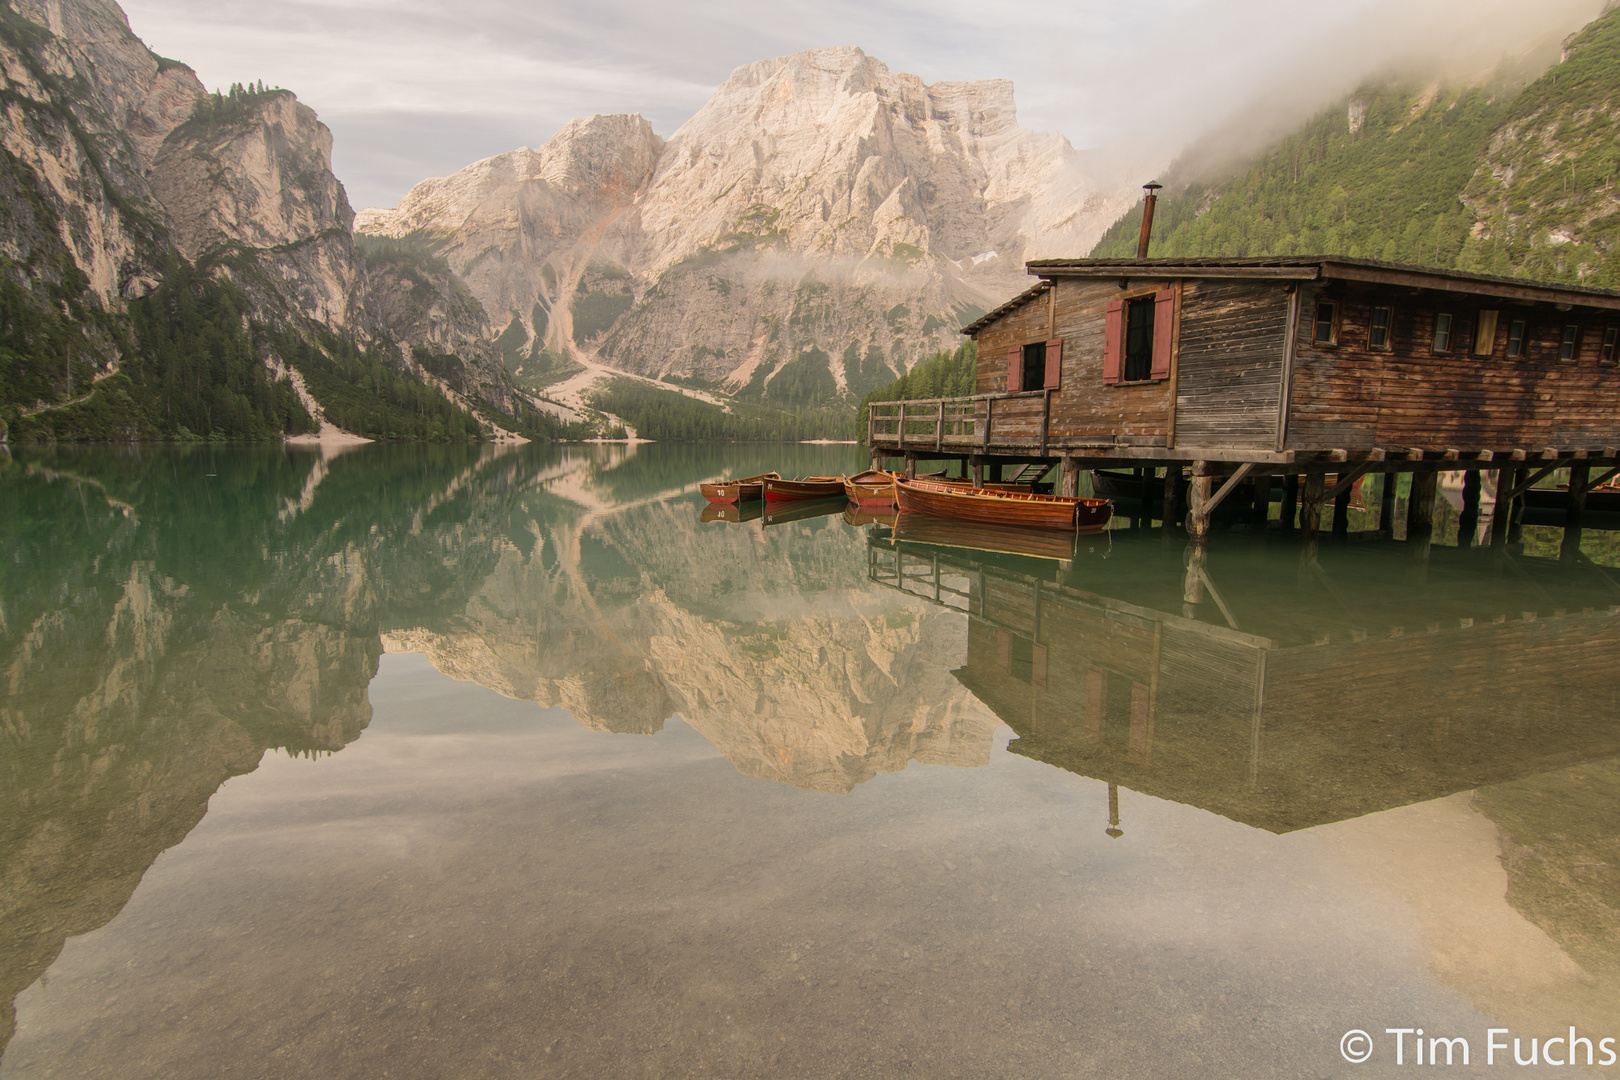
point(1503, 178)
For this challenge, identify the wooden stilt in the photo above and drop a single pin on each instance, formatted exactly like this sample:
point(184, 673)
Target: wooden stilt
point(1469, 522)
point(1144, 497)
point(1172, 497)
point(1203, 486)
point(1310, 506)
point(1290, 501)
point(1386, 504)
point(1420, 506)
point(1071, 477)
point(1192, 584)
point(1580, 476)
point(1516, 513)
point(978, 471)
point(1341, 510)
point(1501, 510)
point(911, 464)
point(1261, 511)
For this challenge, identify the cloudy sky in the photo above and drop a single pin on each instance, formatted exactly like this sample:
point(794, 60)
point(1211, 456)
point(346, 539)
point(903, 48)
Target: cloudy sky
point(417, 88)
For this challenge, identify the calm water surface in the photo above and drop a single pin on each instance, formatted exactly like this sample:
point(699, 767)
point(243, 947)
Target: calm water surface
point(479, 763)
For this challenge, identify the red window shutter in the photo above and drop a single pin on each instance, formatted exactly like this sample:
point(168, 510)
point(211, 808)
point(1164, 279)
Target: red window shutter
point(1114, 341)
point(1054, 363)
point(1164, 326)
point(1015, 369)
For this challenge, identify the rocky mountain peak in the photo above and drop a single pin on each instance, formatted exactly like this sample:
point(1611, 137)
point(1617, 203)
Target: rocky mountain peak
point(593, 160)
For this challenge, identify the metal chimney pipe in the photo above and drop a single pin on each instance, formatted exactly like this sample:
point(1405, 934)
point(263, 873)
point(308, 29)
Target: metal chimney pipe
point(1148, 204)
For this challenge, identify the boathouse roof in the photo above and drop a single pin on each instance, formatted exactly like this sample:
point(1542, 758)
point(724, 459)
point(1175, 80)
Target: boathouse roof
point(1308, 268)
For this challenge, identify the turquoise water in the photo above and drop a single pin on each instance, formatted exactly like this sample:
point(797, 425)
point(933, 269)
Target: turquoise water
point(504, 763)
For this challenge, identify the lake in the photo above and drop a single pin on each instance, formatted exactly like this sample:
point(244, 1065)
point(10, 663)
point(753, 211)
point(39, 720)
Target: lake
point(505, 762)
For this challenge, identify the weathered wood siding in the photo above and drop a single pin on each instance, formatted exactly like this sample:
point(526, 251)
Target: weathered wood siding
point(1352, 396)
point(1083, 408)
point(1229, 390)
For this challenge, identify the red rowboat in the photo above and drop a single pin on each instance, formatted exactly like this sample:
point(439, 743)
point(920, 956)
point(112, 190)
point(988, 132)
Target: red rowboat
point(728, 491)
point(871, 488)
point(804, 487)
point(990, 507)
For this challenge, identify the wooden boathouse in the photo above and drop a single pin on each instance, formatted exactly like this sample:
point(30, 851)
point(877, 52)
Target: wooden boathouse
point(1303, 368)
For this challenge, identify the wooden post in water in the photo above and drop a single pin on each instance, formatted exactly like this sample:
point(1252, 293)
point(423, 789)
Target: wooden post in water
point(1310, 507)
point(1580, 476)
point(1290, 501)
point(1420, 506)
point(1203, 486)
point(978, 471)
point(1192, 584)
point(1261, 512)
point(1469, 522)
point(1386, 503)
point(1172, 497)
point(911, 464)
point(1501, 509)
point(1516, 512)
point(1341, 508)
point(1071, 476)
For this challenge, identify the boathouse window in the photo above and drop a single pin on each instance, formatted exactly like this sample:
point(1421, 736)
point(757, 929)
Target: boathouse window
point(1442, 333)
point(1035, 366)
point(1138, 336)
point(1566, 347)
point(1326, 324)
point(1611, 338)
point(1485, 333)
point(1516, 337)
point(1378, 328)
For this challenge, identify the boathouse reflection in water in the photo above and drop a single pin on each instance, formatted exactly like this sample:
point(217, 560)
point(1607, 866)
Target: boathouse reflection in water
point(1276, 704)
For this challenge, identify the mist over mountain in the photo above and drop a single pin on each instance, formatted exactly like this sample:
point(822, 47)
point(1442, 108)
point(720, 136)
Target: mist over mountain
point(1511, 172)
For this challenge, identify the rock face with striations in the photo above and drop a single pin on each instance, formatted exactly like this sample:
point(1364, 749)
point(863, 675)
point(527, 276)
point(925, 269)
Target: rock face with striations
point(819, 211)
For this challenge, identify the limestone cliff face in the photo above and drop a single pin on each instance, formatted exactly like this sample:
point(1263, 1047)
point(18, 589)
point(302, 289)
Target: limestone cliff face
point(119, 161)
point(253, 191)
point(523, 229)
point(819, 208)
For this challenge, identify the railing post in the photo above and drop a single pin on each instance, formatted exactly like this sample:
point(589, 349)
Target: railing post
point(989, 412)
point(902, 433)
point(939, 425)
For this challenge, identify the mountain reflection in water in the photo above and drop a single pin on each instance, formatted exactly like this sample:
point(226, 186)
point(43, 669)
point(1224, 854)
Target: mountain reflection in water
point(168, 616)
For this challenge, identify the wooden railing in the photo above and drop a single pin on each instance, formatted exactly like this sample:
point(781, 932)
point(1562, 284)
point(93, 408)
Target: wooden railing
point(962, 423)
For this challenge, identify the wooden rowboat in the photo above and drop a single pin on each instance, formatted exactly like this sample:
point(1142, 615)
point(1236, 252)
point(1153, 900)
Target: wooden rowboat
point(874, 487)
point(729, 491)
point(804, 487)
point(990, 507)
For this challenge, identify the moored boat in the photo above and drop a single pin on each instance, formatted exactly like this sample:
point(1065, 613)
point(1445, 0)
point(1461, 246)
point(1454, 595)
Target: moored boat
point(991, 507)
point(1598, 500)
point(874, 487)
point(729, 491)
point(803, 487)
